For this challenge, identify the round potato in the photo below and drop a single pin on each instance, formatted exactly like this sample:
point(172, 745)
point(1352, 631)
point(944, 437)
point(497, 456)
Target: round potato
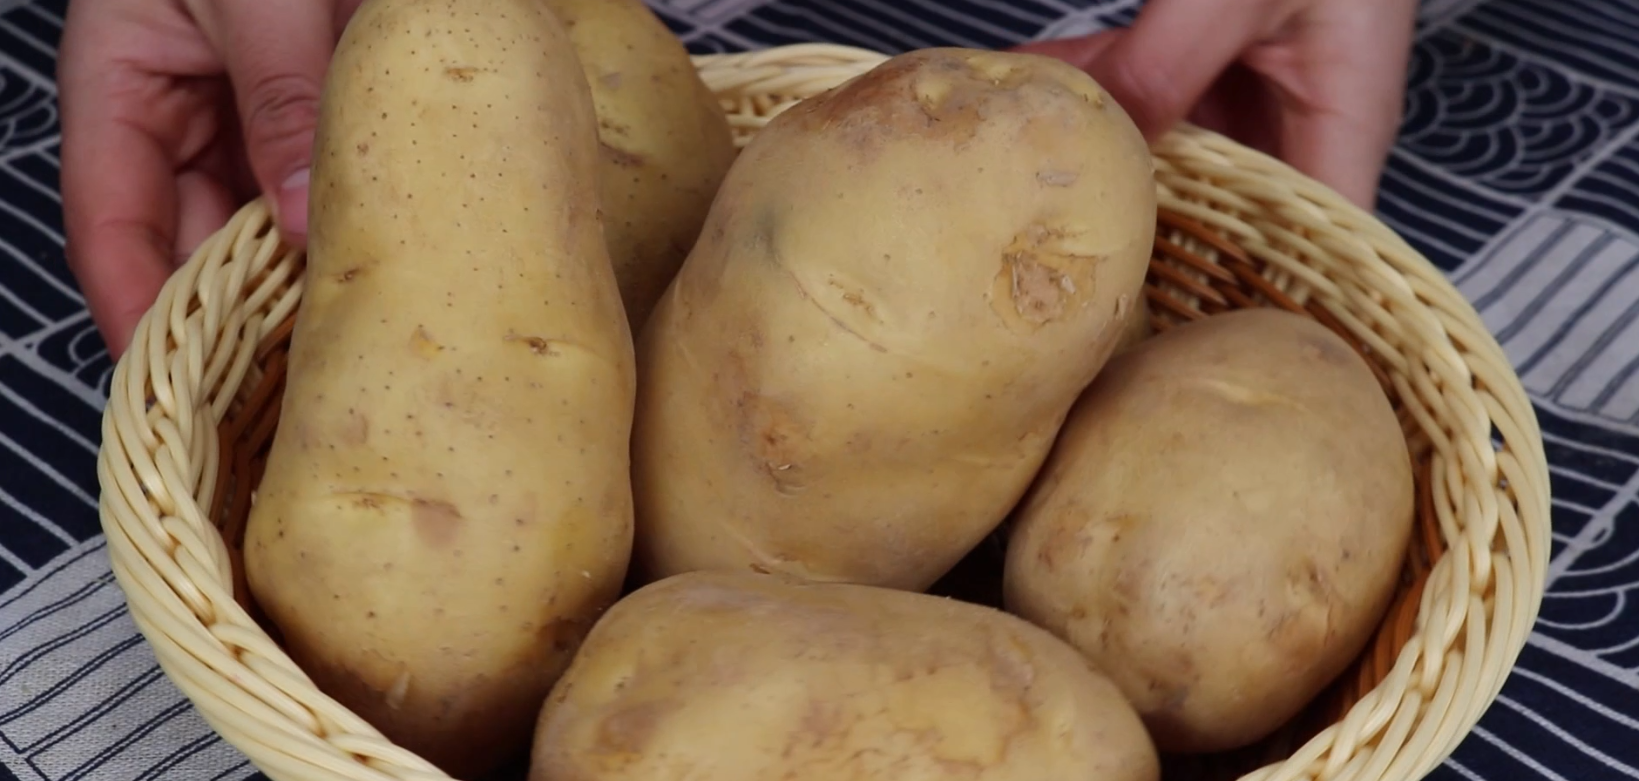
point(861, 365)
point(744, 677)
point(664, 143)
point(1220, 525)
point(447, 503)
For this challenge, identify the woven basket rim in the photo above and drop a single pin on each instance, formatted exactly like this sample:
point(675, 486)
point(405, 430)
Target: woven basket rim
point(198, 345)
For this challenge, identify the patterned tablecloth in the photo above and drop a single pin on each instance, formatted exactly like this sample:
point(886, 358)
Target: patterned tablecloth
point(1517, 172)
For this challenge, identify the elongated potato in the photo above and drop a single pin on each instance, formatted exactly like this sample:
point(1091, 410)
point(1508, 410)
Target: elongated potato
point(447, 506)
point(901, 288)
point(665, 144)
point(744, 677)
point(1221, 524)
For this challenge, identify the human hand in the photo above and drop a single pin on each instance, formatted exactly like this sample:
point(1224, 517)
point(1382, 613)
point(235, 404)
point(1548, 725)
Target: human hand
point(1317, 83)
point(175, 112)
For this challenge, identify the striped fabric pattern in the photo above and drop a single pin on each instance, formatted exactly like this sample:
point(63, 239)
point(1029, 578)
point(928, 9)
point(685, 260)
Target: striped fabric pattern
point(1517, 171)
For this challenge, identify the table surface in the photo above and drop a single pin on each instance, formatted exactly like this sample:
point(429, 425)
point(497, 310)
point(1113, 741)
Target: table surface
point(1517, 172)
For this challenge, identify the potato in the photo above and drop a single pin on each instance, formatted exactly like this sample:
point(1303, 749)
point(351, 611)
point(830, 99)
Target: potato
point(1138, 327)
point(665, 143)
point(447, 504)
point(900, 290)
point(1221, 524)
point(734, 676)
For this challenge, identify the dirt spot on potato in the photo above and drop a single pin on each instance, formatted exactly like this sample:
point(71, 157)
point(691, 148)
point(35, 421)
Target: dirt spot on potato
point(372, 501)
point(436, 522)
point(621, 157)
point(855, 298)
point(613, 128)
point(462, 73)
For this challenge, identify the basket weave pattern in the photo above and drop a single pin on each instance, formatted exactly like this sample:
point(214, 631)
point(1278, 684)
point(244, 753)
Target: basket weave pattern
point(195, 402)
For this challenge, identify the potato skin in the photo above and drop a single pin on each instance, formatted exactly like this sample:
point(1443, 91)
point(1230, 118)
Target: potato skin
point(446, 507)
point(744, 677)
point(1221, 524)
point(1137, 327)
point(860, 366)
point(664, 142)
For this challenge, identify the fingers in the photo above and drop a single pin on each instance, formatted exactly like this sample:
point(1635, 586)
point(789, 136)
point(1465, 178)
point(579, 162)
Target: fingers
point(1341, 113)
point(1160, 67)
point(204, 205)
point(276, 54)
point(119, 204)
point(119, 200)
point(1080, 51)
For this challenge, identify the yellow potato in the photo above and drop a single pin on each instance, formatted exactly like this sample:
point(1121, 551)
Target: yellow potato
point(1138, 327)
point(447, 506)
point(1221, 524)
point(902, 287)
point(744, 677)
point(665, 144)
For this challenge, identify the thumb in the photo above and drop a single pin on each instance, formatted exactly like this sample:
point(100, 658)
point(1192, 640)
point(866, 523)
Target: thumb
point(1160, 67)
point(276, 55)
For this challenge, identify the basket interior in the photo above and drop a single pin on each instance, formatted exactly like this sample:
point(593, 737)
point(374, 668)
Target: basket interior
point(1194, 272)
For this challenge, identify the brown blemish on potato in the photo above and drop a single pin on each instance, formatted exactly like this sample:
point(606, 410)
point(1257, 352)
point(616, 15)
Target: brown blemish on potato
point(1041, 278)
point(436, 522)
point(536, 344)
point(363, 148)
point(856, 298)
point(772, 435)
point(628, 730)
point(423, 344)
point(612, 80)
point(369, 500)
point(462, 73)
point(620, 157)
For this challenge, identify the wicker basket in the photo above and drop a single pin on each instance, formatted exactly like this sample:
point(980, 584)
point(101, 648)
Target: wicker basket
point(194, 404)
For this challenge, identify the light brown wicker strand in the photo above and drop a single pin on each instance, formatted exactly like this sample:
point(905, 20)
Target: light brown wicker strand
point(204, 350)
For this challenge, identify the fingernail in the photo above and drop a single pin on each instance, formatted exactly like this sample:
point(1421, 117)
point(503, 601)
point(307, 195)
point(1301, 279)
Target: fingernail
point(292, 204)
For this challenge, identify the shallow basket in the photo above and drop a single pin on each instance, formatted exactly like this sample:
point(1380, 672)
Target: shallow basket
point(194, 404)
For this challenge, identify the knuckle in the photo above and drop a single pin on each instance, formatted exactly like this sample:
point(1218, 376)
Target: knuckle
point(279, 106)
